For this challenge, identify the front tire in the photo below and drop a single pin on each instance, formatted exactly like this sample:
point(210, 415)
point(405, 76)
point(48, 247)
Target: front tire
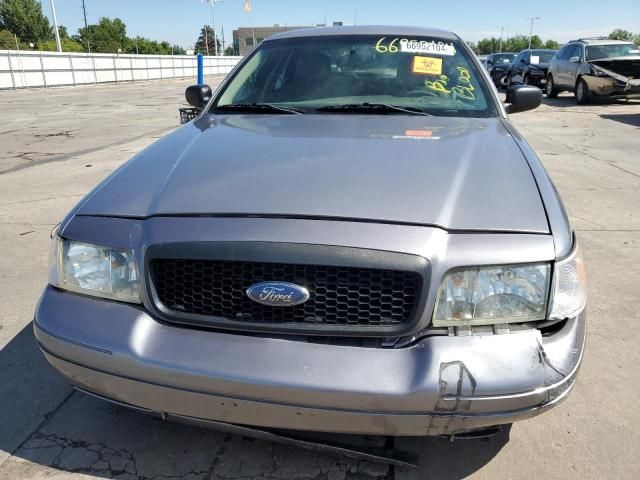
point(583, 96)
point(552, 92)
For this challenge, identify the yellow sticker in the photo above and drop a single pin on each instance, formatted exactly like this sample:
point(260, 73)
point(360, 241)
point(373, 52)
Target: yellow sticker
point(427, 65)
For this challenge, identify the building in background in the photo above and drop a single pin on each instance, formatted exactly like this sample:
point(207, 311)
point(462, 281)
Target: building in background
point(246, 39)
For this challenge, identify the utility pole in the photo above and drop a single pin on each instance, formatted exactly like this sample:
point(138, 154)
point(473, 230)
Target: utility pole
point(213, 4)
point(55, 26)
point(501, 27)
point(86, 26)
point(532, 19)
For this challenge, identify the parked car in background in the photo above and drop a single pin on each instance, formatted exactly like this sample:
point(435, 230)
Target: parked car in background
point(595, 68)
point(351, 237)
point(530, 67)
point(498, 66)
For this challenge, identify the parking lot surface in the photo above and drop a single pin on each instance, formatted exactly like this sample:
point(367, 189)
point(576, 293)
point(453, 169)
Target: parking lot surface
point(57, 144)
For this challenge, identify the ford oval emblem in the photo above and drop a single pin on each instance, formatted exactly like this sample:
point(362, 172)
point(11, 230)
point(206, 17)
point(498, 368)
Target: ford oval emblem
point(278, 294)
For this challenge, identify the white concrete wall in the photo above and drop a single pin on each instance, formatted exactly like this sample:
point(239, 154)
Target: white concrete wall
point(24, 69)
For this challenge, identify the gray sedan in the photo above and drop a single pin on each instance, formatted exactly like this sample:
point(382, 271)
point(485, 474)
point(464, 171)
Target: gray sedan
point(351, 237)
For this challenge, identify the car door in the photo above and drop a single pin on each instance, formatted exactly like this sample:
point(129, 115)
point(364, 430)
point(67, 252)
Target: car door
point(516, 68)
point(521, 67)
point(557, 65)
point(575, 61)
point(566, 66)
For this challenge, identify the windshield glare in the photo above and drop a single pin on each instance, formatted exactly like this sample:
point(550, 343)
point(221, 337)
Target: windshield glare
point(431, 74)
point(596, 52)
point(504, 58)
point(541, 56)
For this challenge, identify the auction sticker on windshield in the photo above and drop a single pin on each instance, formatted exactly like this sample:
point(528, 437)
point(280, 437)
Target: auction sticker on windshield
point(427, 65)
point(438, 48)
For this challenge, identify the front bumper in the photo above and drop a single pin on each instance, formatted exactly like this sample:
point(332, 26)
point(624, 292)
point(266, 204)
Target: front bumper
point(440, 385)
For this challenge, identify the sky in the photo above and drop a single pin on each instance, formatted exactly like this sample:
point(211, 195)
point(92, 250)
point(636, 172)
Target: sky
point(179, 21)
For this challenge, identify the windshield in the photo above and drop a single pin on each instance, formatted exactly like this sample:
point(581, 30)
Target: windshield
point(503, 58)
point(433, 75)
point(541, 56)
point(595, 52)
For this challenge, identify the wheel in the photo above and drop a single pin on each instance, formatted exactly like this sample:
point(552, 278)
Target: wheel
point(551, 88)
point(582, 92)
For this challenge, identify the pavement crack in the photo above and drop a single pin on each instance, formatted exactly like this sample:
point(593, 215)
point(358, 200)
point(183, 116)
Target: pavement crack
point(623, 169)
point(45, 420)
point(44, 199)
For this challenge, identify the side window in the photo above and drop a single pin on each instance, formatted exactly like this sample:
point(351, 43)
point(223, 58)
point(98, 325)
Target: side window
point(490, 60)
point(579, 52)
point(519, 58)
point(562, 53)
point(526, 57)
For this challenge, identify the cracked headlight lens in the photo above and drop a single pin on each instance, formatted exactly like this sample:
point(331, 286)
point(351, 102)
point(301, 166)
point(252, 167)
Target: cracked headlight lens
point(490, 295)
point(568, 293)
point(94, 270)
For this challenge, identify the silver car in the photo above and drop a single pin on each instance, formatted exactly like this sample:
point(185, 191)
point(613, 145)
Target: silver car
point(351, 237)
point(595, 69)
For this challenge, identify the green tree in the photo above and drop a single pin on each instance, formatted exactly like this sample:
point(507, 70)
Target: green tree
point(178, 50)
point(107, 36)
point(68, 45)
point(551, 45)
point(202, 44)
point(25, 19)
point(488, 45)
point(229, 51)
point(620, 34)
point(62, 31)
point(7, 40)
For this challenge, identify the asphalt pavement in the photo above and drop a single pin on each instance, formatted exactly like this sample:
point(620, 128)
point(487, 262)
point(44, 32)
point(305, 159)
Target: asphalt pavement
point(57, 143)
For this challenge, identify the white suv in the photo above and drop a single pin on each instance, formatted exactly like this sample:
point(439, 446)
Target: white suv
point(595, 68)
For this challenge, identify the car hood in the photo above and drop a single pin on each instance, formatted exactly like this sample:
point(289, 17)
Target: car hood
point(455, 173)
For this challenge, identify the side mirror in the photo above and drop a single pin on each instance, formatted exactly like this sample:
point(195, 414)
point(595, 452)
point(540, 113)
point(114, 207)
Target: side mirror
point(574, 59)
point(198, 95)
point(522, 98)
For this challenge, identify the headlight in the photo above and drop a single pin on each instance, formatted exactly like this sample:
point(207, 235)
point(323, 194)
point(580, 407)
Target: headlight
point(94, 270)
point(489, 295)
point(568, 293)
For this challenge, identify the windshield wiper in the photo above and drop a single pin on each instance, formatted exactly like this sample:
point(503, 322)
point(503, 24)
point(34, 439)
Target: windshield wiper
point(372, 108)
point(259, 107)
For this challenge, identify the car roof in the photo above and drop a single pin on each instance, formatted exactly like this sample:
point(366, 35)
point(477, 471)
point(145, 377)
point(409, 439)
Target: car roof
point(364, 30)
point(601, 41)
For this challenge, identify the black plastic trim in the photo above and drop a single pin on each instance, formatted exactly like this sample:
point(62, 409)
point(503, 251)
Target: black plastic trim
point(290, 253)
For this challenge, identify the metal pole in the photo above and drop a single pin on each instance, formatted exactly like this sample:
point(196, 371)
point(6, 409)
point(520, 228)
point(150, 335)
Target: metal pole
point(213, 24)
point(86, 26)
point(531, 29)
point(200, 69)
point(55, 26)
point(501, 34)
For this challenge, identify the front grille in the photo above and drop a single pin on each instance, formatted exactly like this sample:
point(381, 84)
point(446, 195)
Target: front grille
point(340, 296)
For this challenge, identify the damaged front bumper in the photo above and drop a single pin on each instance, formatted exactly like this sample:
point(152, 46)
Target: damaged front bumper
point(615, 78)
point(440, 385)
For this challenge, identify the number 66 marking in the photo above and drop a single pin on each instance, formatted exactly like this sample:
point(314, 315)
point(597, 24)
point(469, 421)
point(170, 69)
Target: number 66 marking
point(381, 48)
